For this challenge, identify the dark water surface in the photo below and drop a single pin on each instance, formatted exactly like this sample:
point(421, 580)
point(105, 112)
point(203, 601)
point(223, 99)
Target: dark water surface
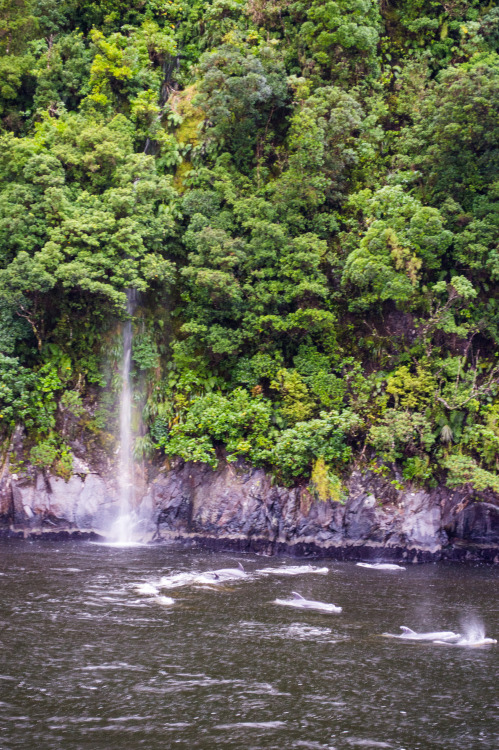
point(86, 662)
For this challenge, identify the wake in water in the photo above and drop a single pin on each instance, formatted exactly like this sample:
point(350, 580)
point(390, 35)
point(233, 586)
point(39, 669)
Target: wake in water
point(209, 577)
point(147, 589)
point(213, 577)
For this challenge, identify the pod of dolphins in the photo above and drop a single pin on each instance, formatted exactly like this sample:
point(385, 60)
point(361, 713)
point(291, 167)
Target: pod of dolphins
point(211, 577)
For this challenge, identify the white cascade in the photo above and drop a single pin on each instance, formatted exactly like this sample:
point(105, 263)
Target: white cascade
point(123, 528)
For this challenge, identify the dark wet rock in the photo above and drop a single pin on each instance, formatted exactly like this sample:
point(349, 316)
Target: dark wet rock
point(6, 504)
point(238, 507)
point(471, 523)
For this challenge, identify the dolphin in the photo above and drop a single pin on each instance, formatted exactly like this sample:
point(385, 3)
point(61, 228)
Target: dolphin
point(301, 603)
point(444, 636)
point(238, 572)
point(380, 566)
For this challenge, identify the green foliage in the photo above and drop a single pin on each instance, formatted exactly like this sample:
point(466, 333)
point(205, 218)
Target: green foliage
point(295, 449)
point(145, 351)
point(399, 239)
point(463, 469)
point(240, 422)
point(244, 424)
point(417, 469)
point(306, 196)
point(411, 391)
point(71, 402)
point(64, 463)
point(17, 385)
point(297, 405)
point(401, 433)
point(43, 455)
point(52, 453)
point(455, 137)
point(341, 35)
point(88, 218)
point(239, 93)
point(126, 67)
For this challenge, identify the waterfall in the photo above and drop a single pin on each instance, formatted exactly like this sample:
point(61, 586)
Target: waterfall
point(122, 530)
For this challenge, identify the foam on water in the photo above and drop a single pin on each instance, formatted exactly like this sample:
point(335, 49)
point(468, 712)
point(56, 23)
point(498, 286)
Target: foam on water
point(297, 631)
point(165, 601)
point(177, 580)
point(120, 545)
point(208, 577)
point(473, 629)
point(146, 589)
point(294, 570)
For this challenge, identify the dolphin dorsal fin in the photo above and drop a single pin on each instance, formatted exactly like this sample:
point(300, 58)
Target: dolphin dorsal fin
point(406, 630)
point(241, 567)
point(297, 596)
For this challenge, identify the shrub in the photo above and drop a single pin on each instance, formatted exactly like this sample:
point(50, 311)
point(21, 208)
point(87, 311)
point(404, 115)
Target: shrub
point(323, 484)
point(464, 470)
point(44, 454)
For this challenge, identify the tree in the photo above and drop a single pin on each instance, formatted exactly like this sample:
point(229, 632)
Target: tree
point(89, 218)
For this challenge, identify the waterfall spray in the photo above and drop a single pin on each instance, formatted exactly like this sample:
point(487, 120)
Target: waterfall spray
point(121, 532)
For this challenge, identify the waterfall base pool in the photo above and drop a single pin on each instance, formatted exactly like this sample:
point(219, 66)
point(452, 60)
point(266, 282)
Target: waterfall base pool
point(94, 654)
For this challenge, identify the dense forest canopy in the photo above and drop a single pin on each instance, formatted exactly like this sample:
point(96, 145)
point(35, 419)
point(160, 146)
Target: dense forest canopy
point(306, 197)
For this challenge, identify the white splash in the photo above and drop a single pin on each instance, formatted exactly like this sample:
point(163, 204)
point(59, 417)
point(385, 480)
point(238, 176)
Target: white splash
point(146, 589)
point(207, 578)
point(164, 601)
point(473, 635)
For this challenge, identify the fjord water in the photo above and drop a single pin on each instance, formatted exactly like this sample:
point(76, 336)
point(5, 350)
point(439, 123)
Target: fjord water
point(86, 662)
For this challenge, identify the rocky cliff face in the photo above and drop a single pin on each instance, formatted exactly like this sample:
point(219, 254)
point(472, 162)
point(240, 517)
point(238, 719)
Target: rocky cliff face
point(239, 508)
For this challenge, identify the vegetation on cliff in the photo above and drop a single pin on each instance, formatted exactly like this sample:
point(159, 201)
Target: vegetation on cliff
point(306, 195)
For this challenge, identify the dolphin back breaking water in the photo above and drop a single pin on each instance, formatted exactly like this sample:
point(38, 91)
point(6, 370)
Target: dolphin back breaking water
point(299, 602)
point(410, 635)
